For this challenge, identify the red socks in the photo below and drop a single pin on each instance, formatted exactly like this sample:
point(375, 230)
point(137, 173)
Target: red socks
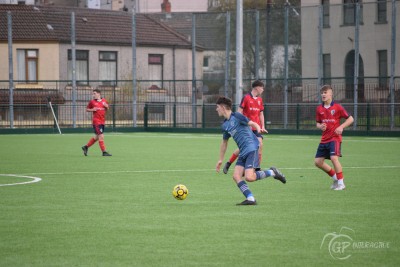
point(91, 142)
point(339, 175)
point(102, 146)
point(233, 158)
point(331, 172)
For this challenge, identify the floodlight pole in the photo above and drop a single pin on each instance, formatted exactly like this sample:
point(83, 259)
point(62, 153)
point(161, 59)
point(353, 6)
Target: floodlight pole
point(239, 50)
point(73, 52)
point(320, 51)
point(194, 111)
point(227, 53)
point(257, 46)
point(356, 64)
point(286, 67)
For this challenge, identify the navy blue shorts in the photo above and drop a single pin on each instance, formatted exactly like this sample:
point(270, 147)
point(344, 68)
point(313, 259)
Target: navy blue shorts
point(249, 161)
point(259, 135)
point(327, 150)
point(98, 129)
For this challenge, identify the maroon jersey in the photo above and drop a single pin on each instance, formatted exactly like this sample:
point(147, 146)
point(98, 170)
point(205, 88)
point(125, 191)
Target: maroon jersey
point(99, 116)
point(331, 117)
point(252, 106)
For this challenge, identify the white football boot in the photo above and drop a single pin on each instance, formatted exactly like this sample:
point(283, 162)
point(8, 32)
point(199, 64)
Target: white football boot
point(340, 187)
point(334, 184)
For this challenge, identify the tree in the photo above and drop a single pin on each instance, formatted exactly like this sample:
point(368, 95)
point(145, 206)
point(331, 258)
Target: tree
point(271, 26)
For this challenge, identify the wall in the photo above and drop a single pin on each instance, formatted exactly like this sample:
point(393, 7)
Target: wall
point(48, 68)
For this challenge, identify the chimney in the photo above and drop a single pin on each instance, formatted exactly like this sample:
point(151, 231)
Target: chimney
point(166, 6)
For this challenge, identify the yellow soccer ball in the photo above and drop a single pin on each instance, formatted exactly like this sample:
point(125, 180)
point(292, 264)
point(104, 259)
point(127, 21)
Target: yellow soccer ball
point(180, 192)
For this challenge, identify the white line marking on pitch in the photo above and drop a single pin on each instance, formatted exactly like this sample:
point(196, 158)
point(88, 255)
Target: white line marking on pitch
point(34, 179)
point(203, 170)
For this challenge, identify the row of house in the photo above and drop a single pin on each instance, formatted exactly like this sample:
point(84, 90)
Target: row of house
point(41, 37)
point(140, 6)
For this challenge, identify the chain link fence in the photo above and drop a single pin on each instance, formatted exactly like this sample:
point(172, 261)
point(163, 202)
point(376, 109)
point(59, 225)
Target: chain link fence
point(293, 50)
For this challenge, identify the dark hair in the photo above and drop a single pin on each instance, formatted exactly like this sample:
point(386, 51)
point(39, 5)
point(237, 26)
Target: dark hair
point(257, 83)
point(97, 91)
point(325, 87)
point(222, 100)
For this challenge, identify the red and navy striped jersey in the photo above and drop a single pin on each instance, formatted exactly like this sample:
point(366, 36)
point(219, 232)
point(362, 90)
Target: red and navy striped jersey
point(99, 116)
point(331, 117)
point(252, 106)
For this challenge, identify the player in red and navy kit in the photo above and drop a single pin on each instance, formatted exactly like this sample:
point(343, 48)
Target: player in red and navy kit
point(328, 116)
point(252, 107)
point(99, 107)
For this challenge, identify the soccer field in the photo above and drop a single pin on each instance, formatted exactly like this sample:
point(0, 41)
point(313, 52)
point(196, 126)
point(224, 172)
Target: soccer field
point(119, 210)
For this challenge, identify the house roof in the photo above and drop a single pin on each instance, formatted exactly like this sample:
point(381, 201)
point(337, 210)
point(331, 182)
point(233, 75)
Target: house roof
point(49, 23)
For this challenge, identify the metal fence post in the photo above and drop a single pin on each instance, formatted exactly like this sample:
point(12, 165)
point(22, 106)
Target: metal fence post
point(10, 69)
point(268, 56)
point(134, 80)
point(174, 115)
point(392, 65)
point(368, 117)
point(146, 115)
point(113, 105)
point(73, 54)
point(203, 116)
point(298, 117)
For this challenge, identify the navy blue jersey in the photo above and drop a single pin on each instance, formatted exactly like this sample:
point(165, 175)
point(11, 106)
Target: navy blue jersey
point(237, 127)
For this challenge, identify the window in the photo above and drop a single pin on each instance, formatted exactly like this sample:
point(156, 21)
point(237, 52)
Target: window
point(381, 11)
point(156, 70)
point(349, 73)
point(326, 61)
point(81, 67)
point(206, 62)
point(108, 67)
point(382, 68)
point(325, 13)
point(27, 64)
point(349, 12)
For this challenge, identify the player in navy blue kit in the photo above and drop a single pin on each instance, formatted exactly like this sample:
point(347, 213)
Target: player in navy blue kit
point(252, 107)
point(237, 126)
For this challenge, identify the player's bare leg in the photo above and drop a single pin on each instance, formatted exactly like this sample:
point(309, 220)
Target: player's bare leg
point(339, 172)
point(260, 149)
point(320, 163)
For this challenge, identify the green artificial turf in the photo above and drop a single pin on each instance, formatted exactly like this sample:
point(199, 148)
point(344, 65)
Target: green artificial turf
point(119, 210)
